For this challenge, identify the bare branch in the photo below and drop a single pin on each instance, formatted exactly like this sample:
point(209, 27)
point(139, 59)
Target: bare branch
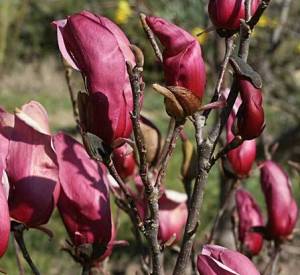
point(205, 151)
point(229, 49)
point(151, 37)
point(151, 191)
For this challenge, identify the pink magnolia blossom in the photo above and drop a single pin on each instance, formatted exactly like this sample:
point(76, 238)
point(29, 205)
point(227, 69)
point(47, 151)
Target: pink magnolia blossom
point(250, 116)
point(172, 213)
point(4, 214)
point(30, 165)
point(282, 207)
point(99, 49)
point(218, 260)
point(249, 216)
point(124, 161)
point(241, 158)
point(84, 201)
point(182, 58)
point(226, 14)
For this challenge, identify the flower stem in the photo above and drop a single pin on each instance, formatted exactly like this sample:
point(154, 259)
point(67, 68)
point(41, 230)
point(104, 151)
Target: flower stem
point(18, 230)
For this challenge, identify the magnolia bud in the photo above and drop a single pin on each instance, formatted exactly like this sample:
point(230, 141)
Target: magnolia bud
point(99, 49)
point(282, 208)
point(250, 116)
point(249, 216)
point(84, 201)
point(218, 260)
point(226, 14)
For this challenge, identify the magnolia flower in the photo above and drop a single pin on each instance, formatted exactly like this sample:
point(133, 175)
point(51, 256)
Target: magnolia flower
point(183, 65)
point(282, 208)
point(218, 260)
point(250, 116)
point(99, 49)
point(4, 214)
point(172, 213)
point(241, 158)
point(124, 161)
point(84, 201)
point(30, 165)
point(249, 216)
point(226, 14)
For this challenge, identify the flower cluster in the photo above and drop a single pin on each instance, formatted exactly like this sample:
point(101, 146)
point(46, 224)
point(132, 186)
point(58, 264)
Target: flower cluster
point(41, 171)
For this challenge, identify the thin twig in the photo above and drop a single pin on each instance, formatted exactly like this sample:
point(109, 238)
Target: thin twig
point(275, 262)
point(171, 128)
point(164, 162)
point(222, 210)
point(276, 37)
point(86, 270)
point(272, 265)
point(234, 229)
point(151, 37)
point(68, 73)
point(151, 191)
point(258, 13)
point(230, 146)
point(18, 260)
point(205, 151)
point(18, 230)
point(229, 49)
point(131, 204)
point(248, 5)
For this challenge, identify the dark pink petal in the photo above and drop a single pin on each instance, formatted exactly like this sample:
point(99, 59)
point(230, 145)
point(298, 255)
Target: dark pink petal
point(4, 218)
point(172, 215)
point(282, 208)
point(35, 115)
point(226, 14)
point(249, 216)
point(182, 58)
point(124, 160)
point(59, 25)
point(250, 117)
point(232, 259)
point(31, 168)
point(206, 265)
point(84, 200)
point(241, 158)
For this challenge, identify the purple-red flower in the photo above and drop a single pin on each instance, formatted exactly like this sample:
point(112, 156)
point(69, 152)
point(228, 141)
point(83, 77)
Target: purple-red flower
point(124, 161)
point(182, 58)
point(226, 14)
point(282, 208)
point(4, 214)
point(99, 49)
point(172, 215)
point(30, 164)
point(250, 116)
point(84, 200)
point(249, 216)
point(241, 158)
point(218, 260)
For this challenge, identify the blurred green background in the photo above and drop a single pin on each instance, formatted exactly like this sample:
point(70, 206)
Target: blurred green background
point(30, 68)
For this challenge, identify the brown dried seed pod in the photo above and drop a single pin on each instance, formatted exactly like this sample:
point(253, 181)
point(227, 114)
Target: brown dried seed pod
point(173, 106)
point(188, 101)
